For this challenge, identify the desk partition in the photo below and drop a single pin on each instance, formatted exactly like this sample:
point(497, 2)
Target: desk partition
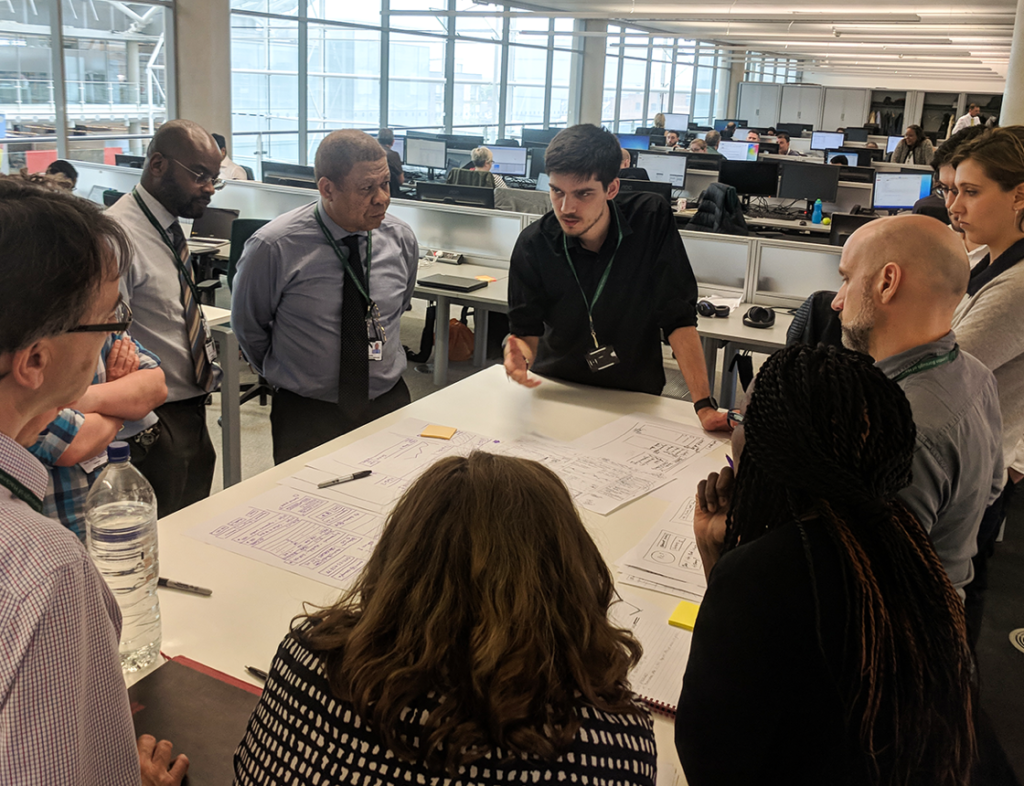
point(787, 272)
point(721, 263)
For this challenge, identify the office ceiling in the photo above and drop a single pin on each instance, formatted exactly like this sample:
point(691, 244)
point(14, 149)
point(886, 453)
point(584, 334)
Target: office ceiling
point(969, 40)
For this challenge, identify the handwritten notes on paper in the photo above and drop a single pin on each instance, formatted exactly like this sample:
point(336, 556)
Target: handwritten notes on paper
point(666, 558)
point(305, 534)
point(648, 444)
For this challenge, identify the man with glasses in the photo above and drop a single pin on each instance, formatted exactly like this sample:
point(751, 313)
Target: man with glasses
point(178, 180)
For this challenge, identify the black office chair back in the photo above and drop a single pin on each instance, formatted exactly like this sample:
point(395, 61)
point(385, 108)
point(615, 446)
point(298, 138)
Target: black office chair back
point(470, 177)
point(110, 196)
point(844, 225)
point(248, 171)
point(241, 230)
point(507, 143)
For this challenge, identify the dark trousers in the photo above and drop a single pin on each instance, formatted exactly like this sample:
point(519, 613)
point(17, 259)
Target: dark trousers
point(974, 602)
point(179, 465)
point(298, 424)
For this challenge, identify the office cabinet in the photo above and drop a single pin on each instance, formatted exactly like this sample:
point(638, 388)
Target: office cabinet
point(758, 103)
point(845, 107)
point(801, 104)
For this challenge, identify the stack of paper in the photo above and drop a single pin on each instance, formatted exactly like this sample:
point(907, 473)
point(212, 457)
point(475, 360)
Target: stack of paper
point(667, 559)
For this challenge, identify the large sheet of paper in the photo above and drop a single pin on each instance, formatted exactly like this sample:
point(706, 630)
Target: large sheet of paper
point(667, 556)
point(596, 483)
point(658, 677)
point(305, 534)
point(649, 444)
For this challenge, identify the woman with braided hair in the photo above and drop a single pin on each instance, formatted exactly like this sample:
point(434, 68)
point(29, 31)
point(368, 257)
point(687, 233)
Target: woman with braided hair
point(830, 647)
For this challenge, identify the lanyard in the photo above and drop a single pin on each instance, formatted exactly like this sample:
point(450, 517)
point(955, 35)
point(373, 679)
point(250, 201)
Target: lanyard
point(600, 284)
point(21, 491)
point(357, 280)
point(167, 242)
point(926, 364)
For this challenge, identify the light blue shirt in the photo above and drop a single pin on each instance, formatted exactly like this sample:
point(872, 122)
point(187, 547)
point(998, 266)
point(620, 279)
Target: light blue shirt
point(286, 302)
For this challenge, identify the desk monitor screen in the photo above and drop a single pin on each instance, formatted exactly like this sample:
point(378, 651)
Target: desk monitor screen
point(276, 173)
point(423, 134)
point(809, 182)
point(856, 135)
point(859, 156)
point(135, 162)
point(635, 141)
point(794, 129)
point(845, 157)
point(750, 178)
point(824, 140)
point(899, 192)
point(772, 148)
point(536, 161)
point(676, 122)
point(542, 182)
point(738, 151)
point(96, 194)
point(214, 224)
point(663, 167)
point(429, 153)
point(509, 160)
point(458, 159)
point(467, 196)
point(464, 141)
point(539, 137)
point(721, 124)
point(649, 186)
point(890, 145)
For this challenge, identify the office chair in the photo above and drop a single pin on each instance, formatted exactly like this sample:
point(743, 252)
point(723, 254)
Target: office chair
point(845, 224)
point(110, 196)
point(507, 143)
point(241, 230)
point(468, 177)
point(248, 171)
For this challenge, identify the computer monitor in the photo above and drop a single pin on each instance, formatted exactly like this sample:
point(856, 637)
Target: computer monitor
point(856, 135)
point(750, 178)
point(738, 151)
point(509, 160)
point(891, 142)
point(809, 182)
point(458, 159)
point(768, 147)
point(430, 153)
point(704, 162)
point(134, 162)
point(894, 191)
point(857, 174)
point(634, 141)
point(674, 122)
point(857, 156)
point(846, 158)
point(539, 137)
point(424, 134)
point(543, 182)
point(721, 124)
point(794, 129)
point(824, 140)
point(467, 196)
point(280, 174)
point(649, 186)
point(214, 224)
point(844, 225)
point(463, 141)
point(96, 194)
point(663, 167)
point(536, 161)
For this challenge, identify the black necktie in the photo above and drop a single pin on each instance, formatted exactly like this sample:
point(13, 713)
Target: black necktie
point(354, 371)
point(194, 326)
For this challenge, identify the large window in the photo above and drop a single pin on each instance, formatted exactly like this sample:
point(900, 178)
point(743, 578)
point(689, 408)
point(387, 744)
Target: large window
point(771, 68)
point(113, 87)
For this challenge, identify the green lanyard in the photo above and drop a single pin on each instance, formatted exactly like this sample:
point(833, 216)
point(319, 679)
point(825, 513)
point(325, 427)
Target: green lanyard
point(21, 491)
point(167, 242)
point(600, 284)
point(371, 307)
point(926, 364)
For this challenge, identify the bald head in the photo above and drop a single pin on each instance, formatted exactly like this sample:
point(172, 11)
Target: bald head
point(626, 160)
point(340, 151)
point(182, 162)
point(182, 139)
point(923, 247)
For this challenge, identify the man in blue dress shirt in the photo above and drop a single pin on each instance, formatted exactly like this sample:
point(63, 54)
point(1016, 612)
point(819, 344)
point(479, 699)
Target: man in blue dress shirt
point(318, 298)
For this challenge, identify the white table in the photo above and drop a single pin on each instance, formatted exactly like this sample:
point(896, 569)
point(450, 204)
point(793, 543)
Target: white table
point(252, 603)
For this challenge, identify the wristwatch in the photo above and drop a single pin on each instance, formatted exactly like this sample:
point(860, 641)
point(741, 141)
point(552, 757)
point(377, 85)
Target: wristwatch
point(704, 403)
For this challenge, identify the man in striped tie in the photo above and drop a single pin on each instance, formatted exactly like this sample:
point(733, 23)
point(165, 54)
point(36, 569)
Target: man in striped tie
point(179, 178)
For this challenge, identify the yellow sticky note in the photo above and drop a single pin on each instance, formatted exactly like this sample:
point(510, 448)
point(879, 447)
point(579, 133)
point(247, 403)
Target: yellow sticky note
point(490, 279)
point(685, 615)
point(439, 432)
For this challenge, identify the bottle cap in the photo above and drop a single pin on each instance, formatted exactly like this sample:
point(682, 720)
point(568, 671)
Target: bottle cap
point(118, 452)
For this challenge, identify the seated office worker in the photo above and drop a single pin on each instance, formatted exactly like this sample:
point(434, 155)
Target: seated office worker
point(785, 149)
point(861, 671)
point(229, 170)
point(713, 139)
point(595, 283)
point(474, 648)
point(903, 278)
point(386, 137)
point(179, 178)
point(64, 714)
point(333, 367)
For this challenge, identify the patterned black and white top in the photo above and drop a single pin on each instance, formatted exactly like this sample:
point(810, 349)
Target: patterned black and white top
point(300, 734)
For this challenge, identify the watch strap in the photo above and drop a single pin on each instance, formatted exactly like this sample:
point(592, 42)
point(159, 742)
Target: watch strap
point(704, 403)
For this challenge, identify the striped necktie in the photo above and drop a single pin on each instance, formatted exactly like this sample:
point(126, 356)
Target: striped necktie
point(194, 322)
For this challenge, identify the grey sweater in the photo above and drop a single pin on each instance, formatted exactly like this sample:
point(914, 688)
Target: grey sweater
point(990, 325)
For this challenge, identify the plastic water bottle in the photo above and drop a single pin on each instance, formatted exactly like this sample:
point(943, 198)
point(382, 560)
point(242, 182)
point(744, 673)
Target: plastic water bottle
point(816, 215)
point(120, 518)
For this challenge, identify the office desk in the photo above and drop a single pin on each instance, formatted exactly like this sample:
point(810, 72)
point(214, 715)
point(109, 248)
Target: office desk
point(248, 614)
point(729, 333)
point(805, 225)
point(493, 297)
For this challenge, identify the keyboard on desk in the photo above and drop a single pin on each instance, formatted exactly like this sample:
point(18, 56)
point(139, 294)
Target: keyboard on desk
point(520, 182)
point(777, 215)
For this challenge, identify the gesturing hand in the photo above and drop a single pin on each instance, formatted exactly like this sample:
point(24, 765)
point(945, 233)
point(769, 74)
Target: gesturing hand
point(714, 497)
point(517, 362)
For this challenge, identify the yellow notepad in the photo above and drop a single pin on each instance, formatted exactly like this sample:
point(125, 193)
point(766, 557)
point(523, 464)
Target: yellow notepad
point(439, 432)
point(685, 615)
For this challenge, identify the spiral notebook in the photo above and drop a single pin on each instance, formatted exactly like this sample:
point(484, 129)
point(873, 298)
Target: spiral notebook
point(658, 678)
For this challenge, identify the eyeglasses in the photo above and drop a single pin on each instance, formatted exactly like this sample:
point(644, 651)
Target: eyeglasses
point(201, 179)
point(735, 416)
point(122, 315)
point(944, 192)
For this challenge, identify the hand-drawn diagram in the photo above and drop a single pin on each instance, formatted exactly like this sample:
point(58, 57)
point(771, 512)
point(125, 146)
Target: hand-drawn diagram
point(667, 555)
point(649, 444)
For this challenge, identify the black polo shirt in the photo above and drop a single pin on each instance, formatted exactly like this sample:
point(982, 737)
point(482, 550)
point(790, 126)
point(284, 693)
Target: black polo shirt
point(650, 291)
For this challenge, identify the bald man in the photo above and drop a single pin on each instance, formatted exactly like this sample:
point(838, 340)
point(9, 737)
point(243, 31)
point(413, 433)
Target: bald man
point(902, 280)
point(179, 177)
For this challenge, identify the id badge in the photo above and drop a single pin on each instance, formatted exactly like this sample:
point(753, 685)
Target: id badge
point(211, 350)
point(90, 465)
point(376, 350)
point(602, 358)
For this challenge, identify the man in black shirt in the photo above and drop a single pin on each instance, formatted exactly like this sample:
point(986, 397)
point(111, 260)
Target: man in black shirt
point(594, 283)
point(386, 137)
